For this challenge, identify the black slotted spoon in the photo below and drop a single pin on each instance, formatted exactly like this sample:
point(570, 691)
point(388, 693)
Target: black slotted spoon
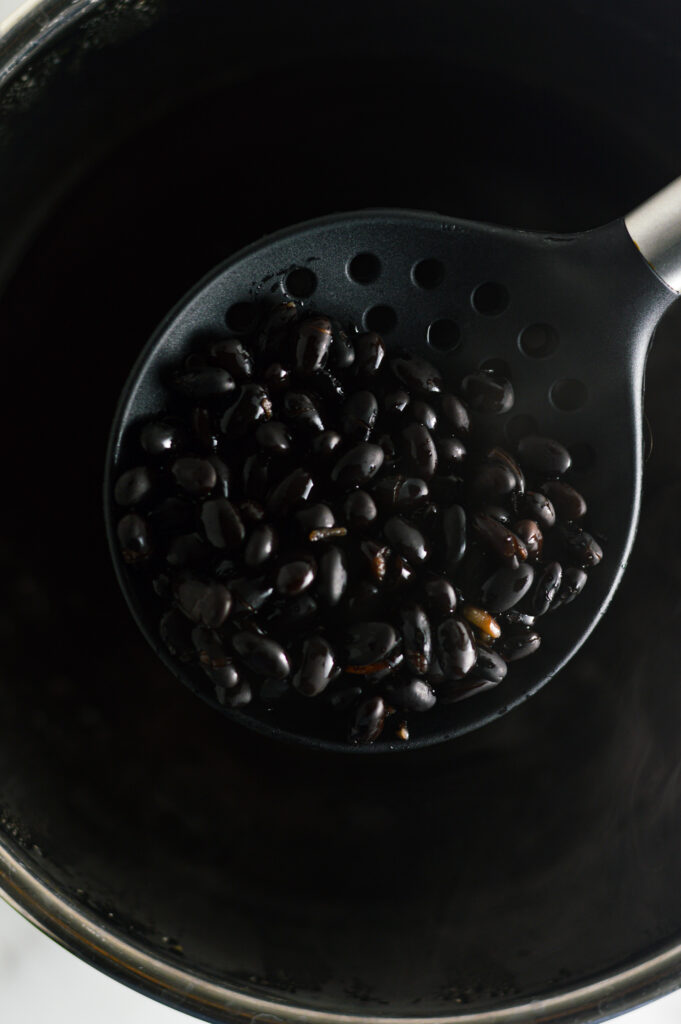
point(571, 317)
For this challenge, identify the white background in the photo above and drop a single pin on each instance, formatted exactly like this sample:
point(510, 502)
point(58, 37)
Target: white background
point(40, 982)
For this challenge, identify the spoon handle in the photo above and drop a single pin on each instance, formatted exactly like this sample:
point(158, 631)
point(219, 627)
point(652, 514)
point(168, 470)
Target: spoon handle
point(655, 229)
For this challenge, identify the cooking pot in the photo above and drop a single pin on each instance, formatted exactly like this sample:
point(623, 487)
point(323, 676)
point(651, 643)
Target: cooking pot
point(528, 872)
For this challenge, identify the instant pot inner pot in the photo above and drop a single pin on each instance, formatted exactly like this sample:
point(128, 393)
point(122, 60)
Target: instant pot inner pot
point(532, 856)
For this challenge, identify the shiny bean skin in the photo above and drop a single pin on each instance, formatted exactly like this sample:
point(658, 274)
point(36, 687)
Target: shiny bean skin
point(360, 510)
point(423, 413)
point(315, 517)
point(440, 597)
point(222, 475)
point(359, 415)
point(456, 647)
point(261, 655)
point(204, 429)
point(546, 588)
point(573, 583)
point(293, 488)
point(252, 406)
point(537, 506)
point(294, 577)
point(332, 576)
point(416, 636)
point(489, 665)
point(222, 524)
point(493, 481)
point(421, 450)
point(357, 466)
point(273, 438)
point(544, 455)
point(410, 695)
point(260, 545)
point(325, 443)
point(316, 667)
point(410, 493)
point(456, 413)
point(215, 605)
point(503, 458)
point(451, 452)
point(506, 587)
point(568, 503)
point(301, 409)
point(369, 352)
point(313, 344)
point(133, 539)
point(417, 374)
point(515, 646)
point(488, 392)
point(232, 356)
point(396, 401)
point(161, 437)
point(406, 539)
point(583, 549)
point(367, 643)
point(506, 544)
point(529, 533)
point(342, 350)
point(236, 697)
point(208, 382)
point(193, 475)
point(455, 532)
point(368, 721)
point(133, 486)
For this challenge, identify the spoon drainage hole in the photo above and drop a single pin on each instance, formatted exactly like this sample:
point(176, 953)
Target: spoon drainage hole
point(364, 268)
point(537, 341)
point(490, 298)
point(241, 317)
point(444, 335)
point(300, 283)
point(428, 273)
point(381, 319)
point(568, 394)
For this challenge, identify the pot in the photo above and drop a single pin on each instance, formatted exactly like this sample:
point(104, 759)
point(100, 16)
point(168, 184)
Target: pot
point(528, 872)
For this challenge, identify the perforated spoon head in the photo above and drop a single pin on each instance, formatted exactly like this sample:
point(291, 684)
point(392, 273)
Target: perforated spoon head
point(570, 318)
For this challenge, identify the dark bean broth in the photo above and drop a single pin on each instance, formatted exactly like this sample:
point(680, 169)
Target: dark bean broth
point(314, 878)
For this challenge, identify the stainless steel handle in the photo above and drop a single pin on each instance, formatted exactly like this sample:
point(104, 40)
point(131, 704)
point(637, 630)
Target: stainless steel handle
point(655, 229)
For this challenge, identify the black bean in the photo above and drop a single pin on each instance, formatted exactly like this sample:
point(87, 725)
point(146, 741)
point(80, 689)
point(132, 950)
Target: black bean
point(260, 545)
point(261, 654)
point(410, 694)
point(411, 493)
point(506, 544)
point(415, 628)
point(514, 617)
point(451, 452)
point(489, 665)
point(325, 443)
point(502, 457)
point(206, 382)
point(301, 409)
point(456, 647)
point(233, 356)
point(315, 517)
point(440, 597)
point(189, 594)
point(332, 576)
point(455, 533)
point(276, 377)
point(203, 428)
point(368, 720)
point(251, 407)
point(453, 410)
point(359, 415)
point(294, 577)
point(406, 539)
point(275, 331)
point(222, 473)
point(574, 581)
point(250, 593)
point(424, 413)
point(583, 549)
point(176, 635)
point(162, 437)
point(313, 344)
point(369, 352)
point(255, 477)
point(133, 539)
point(367, 643)
point(208, 646)
point(273, 438)
point(294, 613)
point(358, 465)
point(133, 486)
point(417, 374)
point(531, 536)
point(222, 524)
point(488, 392)
point(546, 588)
point(316, 667)
point(421, 450)
point(493, 481)
point(215, 605)
point(224, 677)
point(497, 512)
point(398, 571)
point(342, 350)
point(538, 507)
point(360, 510)
point(544, 455)
point(504, 588)
point(515, 646)
point(364, 600)
point(396, 401)
point(237, 697)
point(293, 488)
point(251, 511)
point(187, 549)
point(568, 503)
point(195, 476)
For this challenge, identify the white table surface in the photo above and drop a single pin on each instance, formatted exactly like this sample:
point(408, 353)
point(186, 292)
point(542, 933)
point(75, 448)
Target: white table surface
point(40, 982)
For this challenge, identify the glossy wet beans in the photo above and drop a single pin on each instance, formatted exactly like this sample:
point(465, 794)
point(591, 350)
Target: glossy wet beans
point(323, 526)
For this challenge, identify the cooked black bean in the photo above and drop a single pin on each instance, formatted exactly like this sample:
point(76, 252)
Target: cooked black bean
point(456, 647)
point(237, 697)
point(396, 401)
point(205, 382)
point(161, 437)
point(451, 452)
point(417, 374)
point(368, 720)
point(497, 512)
point(195, 476)
point(326, 442)
point(224, 677)
point(313, 344)
point(568, 503)
point(261, 654)
point(358, 465)
point(233, 356)
point(364, 600)
point(406, 539)
point(255, 477)
point(514, 646)
point(455, 533)
point(189, 594)
point(546, 588)
point(421, 451)
point(316, 667)
point(488, 392)
point(416, 636)
point(360, 510)
point(538, 507)
point(294, 577)
point(493, 481)
point(301, 409)
point(489, 665)
point(260, 545)
point(342, 350)
point(367, 643)
point(410, 694)
point(187, 549)
point(252, 406)
point(453, 410)
point(315, 517)
point(514, 617)
point(332, 576)
point(133, 486)
point(369, 352)
point(273, 438)
point(504, 588)
point(251, 511)
point(359, 415)
point(531, 536)
point(293, 488)
point(410, 492)
point(583, 549)
point(275, 330)
point(440, 597)
point(204, 428)
point(215, 605)
point(503, 458)
point(209, 648)
point(222, 474)
point(574, 581)
point(506, 544)
point(176, 634)
point(222, 524)
point(276, 377)
point(133, 538)
point(250, 593)
point(423, 413)
point(294, 613)
point(544, 455)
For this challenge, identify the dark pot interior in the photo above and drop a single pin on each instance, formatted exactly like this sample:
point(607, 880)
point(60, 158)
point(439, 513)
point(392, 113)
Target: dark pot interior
point(140, 144)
